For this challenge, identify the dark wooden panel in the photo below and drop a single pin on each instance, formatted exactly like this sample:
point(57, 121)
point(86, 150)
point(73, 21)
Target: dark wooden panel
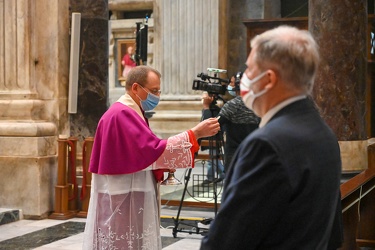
point(258, 26)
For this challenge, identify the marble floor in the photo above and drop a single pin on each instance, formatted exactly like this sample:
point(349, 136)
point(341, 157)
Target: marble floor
point(49, 234)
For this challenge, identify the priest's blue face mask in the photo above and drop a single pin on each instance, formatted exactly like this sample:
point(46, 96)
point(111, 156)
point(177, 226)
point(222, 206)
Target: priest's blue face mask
point(151, 101)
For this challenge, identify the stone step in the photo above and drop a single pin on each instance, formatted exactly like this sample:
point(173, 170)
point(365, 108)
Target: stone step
point(176, 116)
point(8, 215)
point(167, 128)
point(180, 106)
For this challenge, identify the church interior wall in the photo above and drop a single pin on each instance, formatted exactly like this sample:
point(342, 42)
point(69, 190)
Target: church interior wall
point(184, 40)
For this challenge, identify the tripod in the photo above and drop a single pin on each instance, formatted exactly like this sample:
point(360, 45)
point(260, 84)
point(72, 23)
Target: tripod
point(215, 144)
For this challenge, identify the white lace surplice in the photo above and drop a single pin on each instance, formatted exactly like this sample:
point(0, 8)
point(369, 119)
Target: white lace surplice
point(123, 209)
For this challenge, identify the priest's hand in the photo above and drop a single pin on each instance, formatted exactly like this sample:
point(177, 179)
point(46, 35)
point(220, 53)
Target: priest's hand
point(206, 128)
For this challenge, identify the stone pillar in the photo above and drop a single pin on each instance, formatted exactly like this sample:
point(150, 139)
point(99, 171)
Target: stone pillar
point(34, 51)
point(340, 87)
point(186, 35)
point(93, 67)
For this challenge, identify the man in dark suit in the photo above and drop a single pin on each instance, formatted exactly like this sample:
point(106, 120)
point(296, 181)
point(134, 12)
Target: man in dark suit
point(282, 190)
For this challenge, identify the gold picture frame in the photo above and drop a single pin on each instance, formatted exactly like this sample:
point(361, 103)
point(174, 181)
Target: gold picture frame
point(122, 46)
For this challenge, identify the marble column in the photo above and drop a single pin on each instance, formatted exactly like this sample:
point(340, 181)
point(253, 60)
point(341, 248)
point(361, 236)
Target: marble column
point(93, 67)
point(34, 52)
point(187, 42)
point(340, 90)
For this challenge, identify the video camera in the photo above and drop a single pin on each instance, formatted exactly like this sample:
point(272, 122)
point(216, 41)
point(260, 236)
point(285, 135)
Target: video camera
point(211, 84)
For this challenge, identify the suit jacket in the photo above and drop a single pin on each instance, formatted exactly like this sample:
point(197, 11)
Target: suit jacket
point(282, 190)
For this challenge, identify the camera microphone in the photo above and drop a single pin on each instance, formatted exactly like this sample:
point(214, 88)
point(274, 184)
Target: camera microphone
point(216, 70)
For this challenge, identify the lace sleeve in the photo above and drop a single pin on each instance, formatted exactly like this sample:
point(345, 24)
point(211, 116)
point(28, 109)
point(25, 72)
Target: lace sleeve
point(179, 152)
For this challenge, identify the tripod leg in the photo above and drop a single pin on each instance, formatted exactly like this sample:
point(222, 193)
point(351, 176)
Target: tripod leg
point(214, 156)
point(176, 220)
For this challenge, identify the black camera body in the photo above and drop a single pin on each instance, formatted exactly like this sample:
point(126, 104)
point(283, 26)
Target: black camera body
point(211, 88)
point(211, 84)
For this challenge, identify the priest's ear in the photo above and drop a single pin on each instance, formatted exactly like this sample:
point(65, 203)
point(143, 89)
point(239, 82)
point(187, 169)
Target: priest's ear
point(135, 87)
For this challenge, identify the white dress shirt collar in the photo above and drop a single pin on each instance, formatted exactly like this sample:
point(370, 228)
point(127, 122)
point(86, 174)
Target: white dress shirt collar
point(267, 117)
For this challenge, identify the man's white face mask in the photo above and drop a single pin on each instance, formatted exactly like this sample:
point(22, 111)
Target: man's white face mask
point(247, 93)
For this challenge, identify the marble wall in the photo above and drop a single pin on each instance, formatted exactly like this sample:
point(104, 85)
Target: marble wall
point(237, 12)
point(33, 91)
point(340, 89)
point(340, 86)
point(93, 67)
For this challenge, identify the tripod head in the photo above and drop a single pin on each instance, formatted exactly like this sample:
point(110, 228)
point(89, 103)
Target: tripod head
point(213, 105)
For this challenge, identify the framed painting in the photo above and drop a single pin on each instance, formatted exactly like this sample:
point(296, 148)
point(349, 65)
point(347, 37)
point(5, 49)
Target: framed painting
point(125, 51)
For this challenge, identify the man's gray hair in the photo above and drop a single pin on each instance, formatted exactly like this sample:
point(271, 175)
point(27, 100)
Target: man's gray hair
point(139, 75)
point(291, 52)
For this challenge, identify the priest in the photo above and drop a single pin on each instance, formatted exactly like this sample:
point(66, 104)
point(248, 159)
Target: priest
point(127, 162)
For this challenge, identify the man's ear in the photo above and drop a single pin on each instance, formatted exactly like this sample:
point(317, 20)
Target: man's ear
point(134, 87)
point(272, 79)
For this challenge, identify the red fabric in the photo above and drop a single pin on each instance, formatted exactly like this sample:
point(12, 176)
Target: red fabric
point(128, 61)
point(158, 174)
point(195, 145)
